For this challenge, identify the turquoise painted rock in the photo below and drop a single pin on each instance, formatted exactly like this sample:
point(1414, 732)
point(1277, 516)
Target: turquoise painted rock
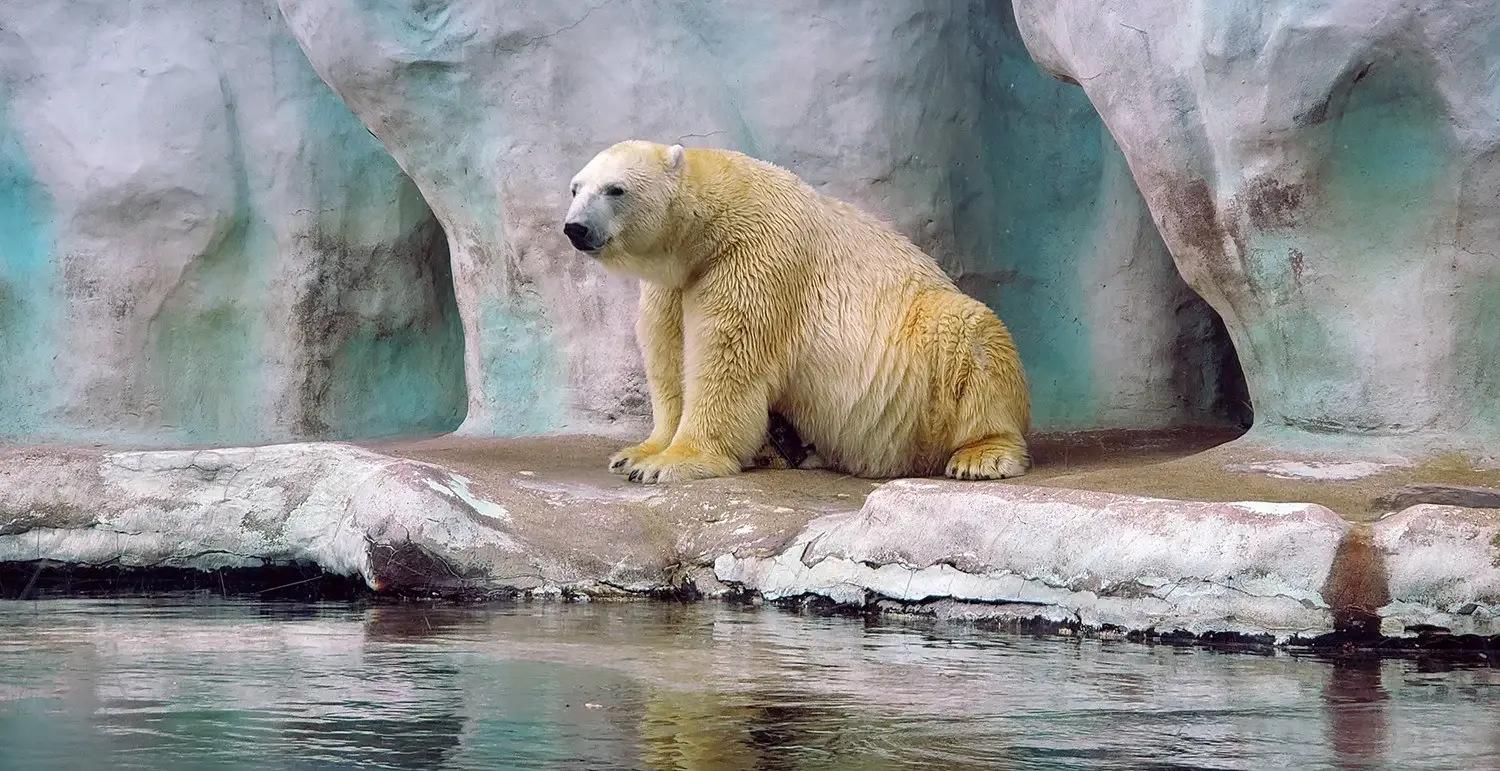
point(1327, 176)
point(199, 242)
point(933, 117)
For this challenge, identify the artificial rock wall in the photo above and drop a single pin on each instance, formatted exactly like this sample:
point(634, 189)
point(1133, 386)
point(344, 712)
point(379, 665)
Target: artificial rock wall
point(200, 240)
point(932, 116)
point(200, 244)
point(1327, 176)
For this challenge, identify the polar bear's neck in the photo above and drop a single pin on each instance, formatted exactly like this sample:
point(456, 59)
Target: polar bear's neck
point(726, 199)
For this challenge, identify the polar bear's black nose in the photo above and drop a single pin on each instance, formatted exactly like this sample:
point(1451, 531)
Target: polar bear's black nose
point(579, 234)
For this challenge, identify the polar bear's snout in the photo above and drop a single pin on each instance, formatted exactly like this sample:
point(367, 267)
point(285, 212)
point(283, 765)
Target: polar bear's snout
point(583, 237)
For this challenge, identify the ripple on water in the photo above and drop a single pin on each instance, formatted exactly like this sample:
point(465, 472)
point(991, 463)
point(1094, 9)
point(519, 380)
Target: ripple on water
point(194, 684)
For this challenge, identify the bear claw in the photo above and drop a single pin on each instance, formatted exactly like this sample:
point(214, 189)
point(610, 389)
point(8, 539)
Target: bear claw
point(987, 461)
point(629, 457)
point(663, 468)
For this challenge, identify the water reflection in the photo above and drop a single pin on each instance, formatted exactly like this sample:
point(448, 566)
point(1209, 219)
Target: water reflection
point(165, 685)
point(1356, 712)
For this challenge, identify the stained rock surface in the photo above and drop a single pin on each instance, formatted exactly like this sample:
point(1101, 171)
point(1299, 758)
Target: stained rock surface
point(1326, 176)
point(541, 516)
point(932, 117)
point(208, 235)
point(1442, 565)
point(346, 510)
point(1095, 558)
point(529, 518)
point(200, 244)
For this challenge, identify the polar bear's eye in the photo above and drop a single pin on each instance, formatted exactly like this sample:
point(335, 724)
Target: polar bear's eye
point(614, 191)
point(573, 191)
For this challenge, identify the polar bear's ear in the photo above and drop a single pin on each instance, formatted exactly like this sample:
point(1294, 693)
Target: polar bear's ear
point(674, 157)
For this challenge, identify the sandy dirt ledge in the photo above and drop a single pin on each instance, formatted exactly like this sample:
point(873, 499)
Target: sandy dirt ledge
point(539, 517)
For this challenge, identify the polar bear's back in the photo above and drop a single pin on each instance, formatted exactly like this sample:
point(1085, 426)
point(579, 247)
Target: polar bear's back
point(877, 312)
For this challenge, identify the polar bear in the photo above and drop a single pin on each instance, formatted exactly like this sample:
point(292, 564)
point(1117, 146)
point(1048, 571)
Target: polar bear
point(760, 294)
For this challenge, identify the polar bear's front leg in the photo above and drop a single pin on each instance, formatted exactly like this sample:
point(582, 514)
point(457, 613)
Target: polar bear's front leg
point(658, 330)
point(723, 424)
point(725, 409)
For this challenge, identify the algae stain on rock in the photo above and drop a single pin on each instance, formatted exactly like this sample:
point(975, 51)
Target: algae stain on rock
point(362, 185)
point(401, 371)
point(1316, 374)
point(205, 360)
point(406, 397)
point(1389, 149)
point(28, 313)
point(524, 376)
point(1385, 153)
point(1044, 147)
point(1482, 338)
point(207, 334)
point(381, 342)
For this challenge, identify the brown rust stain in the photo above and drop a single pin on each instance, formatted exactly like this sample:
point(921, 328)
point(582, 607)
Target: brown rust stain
point(1191, 213)
point(1191, 217)
point(1271, 204)
point(1468, 496)
point(1358, 584)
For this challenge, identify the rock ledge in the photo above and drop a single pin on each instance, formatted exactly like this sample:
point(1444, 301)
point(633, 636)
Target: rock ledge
point(538, 518)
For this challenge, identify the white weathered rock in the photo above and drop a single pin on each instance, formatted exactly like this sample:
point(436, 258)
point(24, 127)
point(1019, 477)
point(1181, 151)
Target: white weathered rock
point(1325, 175)
point(1097, 558)
point(395, 520)
point(344, 509)
point(1318, 471)
point(1442, 565)
point(200, 244)
point(541, 516)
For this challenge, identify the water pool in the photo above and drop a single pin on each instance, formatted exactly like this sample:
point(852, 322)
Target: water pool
point(190, 684)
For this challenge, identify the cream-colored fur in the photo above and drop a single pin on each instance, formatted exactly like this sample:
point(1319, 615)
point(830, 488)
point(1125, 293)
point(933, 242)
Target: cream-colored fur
point(759, 293)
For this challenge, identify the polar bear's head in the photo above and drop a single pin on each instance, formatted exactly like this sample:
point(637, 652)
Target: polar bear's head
point(622, 201)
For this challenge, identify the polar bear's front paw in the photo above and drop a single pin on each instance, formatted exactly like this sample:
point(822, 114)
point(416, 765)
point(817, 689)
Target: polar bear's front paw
point(994, 458)
point(672, 466)
point(625, 460)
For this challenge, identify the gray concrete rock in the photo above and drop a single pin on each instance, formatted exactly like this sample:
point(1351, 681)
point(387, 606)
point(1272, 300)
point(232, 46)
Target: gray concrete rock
point(1326, 176)
point(199, 243)
point(1094, 558)
point(1442, 564)
point(931, 116)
